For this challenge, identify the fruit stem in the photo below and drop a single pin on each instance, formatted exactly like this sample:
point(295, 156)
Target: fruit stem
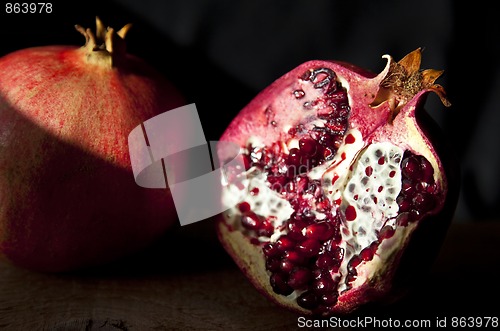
point(105, 46)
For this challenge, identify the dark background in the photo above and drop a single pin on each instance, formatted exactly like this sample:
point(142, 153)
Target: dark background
point(221, 53)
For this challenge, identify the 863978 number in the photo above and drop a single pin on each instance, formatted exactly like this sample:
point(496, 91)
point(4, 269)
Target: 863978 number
point(475, 322)
point(28, 8)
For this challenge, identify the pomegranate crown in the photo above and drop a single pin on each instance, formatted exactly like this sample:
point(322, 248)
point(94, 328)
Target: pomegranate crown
point(405, 79)
point(105, 45)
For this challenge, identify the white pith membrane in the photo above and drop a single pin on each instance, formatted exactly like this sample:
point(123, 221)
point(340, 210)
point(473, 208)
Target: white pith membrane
point(267, 203)
point(372, 188)
point(346, 182)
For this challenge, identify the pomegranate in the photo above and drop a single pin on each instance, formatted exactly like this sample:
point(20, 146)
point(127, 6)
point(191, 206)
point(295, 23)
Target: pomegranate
point(346, 195)
point(68, 199)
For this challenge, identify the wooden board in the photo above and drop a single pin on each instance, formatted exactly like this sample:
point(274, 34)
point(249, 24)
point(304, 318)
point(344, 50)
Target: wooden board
point(201, 289)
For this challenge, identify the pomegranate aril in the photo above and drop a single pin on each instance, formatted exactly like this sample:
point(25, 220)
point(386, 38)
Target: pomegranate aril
point(301, 183)
point(353, 263)
point(323, 137)
point(299, 278)
point(266, 229)
point(285, 243)
point(279, 284)
point(244, 207)
point(324, 261)
point(329, 299)
point(319, 231)
point(273, 264)
point(294, 157)
point(410, 167)
point(407, 187)
point(271, 250)
point(296, 235)
point(309, 247)
point(308, 300)
point(431, 188)
point(367, 254)
point(423, 202)
point(336, 252)
point(427, 170)
point(277, 183)
point(295, 258)
point(403, 203)
point(251, 221)
point(295, 230)
point(323, 204)
point(323, 285)
point(286, 265)
point(307, 146)
point(386, 232)
point(351, 276)
point(327, 261)
point(341, 113)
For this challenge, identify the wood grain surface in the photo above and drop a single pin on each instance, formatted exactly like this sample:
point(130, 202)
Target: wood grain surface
point(187, 282)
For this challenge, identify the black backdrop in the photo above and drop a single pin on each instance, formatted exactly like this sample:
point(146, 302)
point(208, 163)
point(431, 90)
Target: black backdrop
point(221, 53)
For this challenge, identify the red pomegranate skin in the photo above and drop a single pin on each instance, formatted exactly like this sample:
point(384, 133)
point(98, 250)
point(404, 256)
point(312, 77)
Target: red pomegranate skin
point(68, 199)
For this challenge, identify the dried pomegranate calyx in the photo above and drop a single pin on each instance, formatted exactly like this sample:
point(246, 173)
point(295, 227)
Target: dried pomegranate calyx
point(105, 47)
point(405, 79)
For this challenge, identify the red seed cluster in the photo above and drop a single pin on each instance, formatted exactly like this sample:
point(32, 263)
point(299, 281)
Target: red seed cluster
point(418, 191)
point(322, 142)
point(308, 254)
point(306, 264)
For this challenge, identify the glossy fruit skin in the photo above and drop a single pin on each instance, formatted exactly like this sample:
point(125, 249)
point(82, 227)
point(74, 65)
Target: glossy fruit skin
point(68, 199)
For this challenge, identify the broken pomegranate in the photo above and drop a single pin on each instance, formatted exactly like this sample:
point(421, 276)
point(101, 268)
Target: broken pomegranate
point(342, 183)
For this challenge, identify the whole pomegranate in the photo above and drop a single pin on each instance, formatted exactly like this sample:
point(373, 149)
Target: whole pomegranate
point(345, 197)
point(68, 199)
